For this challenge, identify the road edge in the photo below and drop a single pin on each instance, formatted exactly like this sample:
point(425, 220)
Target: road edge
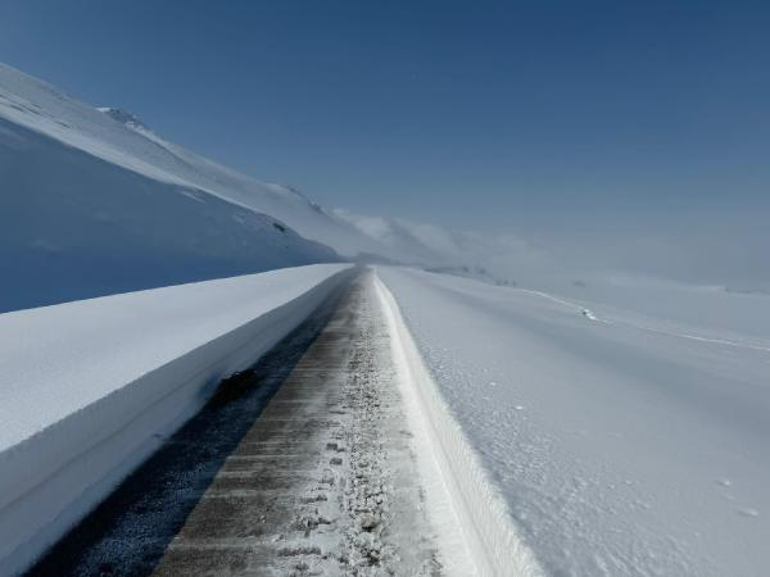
point(472, 515)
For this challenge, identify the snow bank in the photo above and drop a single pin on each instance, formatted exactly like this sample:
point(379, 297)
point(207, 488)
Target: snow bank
point(88, 387)
point(619, 450)
point(476, 505)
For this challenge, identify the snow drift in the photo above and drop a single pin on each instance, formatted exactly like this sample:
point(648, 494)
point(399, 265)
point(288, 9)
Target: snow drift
point(480, 513)
point(88, 387)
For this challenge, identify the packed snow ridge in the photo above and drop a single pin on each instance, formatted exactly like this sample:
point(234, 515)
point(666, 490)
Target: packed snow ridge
point(474, 507)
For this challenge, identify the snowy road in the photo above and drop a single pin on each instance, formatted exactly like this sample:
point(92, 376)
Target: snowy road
point(419, 424)
point(320, 479)
point(324, 483)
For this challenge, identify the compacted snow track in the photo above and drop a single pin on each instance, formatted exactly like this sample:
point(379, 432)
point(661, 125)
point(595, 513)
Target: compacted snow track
point(322, 480)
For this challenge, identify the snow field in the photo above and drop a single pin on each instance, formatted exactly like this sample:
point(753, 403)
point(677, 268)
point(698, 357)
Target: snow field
point(90, 388)
point(463, 502)
point(618, 449)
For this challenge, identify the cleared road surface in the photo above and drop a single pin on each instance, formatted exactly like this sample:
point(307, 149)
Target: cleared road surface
point(302, 467)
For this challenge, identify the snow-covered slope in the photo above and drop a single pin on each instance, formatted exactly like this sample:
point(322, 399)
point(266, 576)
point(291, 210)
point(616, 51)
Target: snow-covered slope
point(89, 388)
point(121, 138)
point(622, 445)
point(497, 258)
point(92, 202)
point(415, 243)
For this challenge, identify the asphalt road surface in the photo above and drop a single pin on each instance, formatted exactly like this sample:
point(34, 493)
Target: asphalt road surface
point(301, 466)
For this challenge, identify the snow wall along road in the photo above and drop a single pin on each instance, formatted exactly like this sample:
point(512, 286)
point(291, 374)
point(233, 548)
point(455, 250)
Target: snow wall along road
point(88, 387)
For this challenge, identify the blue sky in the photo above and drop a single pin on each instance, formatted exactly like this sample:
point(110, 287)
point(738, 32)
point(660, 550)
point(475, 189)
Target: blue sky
point(499, 115)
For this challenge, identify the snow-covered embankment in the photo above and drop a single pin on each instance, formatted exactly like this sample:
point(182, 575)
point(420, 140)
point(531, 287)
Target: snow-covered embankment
point(450, 466)
point(88, 388)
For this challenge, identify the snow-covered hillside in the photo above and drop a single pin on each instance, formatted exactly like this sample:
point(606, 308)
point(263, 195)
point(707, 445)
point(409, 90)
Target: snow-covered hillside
point(496, 258)
point(92, 203)
point(623, 444)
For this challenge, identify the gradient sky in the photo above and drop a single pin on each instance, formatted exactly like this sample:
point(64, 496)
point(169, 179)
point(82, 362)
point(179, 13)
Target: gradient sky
point(491, 115)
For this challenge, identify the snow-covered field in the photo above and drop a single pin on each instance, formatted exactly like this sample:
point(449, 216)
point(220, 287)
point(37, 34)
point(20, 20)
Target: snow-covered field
point(88, 387)
point(621, 443)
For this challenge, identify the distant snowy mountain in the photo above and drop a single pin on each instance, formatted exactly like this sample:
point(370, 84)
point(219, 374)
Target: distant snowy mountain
point(490, 257)
point(93, 202)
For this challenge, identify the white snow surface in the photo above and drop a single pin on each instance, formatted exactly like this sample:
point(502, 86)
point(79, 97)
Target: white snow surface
point(93, 203)
point(89, 388)
point(471, 518)
point(620, 447)
point(120, 138)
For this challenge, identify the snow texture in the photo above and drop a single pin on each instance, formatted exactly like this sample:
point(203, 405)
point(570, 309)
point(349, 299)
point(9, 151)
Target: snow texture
point(463, 502)
point(94, 203)
point(620, 446)
point(89, 388)
point(118, 137)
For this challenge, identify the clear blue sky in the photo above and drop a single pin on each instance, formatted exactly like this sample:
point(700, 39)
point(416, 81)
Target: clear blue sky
point(490, 114)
